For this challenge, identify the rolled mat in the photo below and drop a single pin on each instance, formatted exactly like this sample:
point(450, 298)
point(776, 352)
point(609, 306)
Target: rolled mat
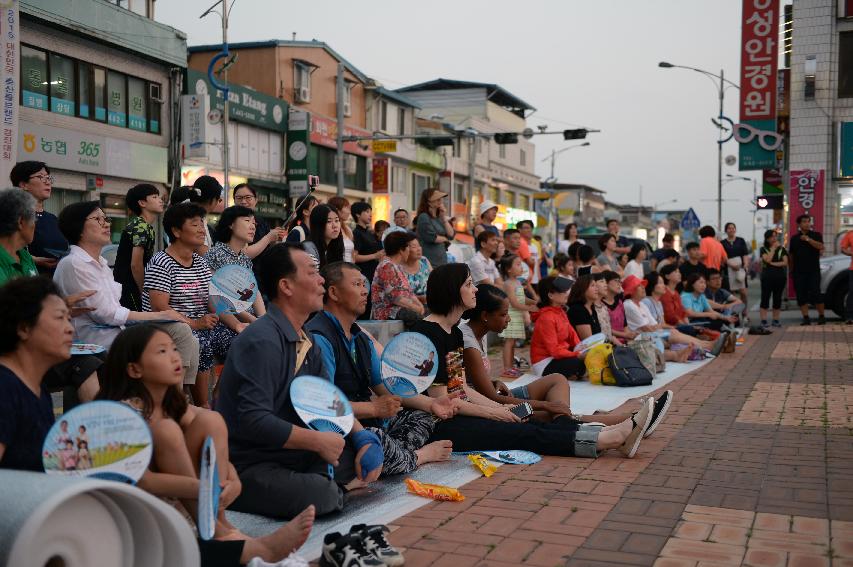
point(78, 522)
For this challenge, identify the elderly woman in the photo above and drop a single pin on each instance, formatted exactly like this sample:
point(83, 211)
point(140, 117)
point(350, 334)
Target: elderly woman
point(35, 334)
point(392, 297)
point(417, 269)
point(87, 229)
point(178, 278)
point(17, 228)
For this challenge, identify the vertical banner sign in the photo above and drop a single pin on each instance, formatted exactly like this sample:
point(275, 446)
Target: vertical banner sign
point(807, 194)
point(10, 76)
point(194, 109)
point(298, 127)
point(758, 63)
point(380, 175)
point(845, 149)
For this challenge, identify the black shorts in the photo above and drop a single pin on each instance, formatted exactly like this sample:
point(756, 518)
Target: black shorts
point(72, 372)
point(807, 288)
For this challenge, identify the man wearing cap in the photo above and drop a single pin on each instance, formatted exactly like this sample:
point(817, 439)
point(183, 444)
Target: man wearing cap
point(488, 213)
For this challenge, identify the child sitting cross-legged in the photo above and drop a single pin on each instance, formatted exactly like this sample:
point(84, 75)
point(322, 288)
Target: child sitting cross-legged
point(143, 369)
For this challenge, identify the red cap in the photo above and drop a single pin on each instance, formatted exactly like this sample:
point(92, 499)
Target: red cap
point(630, 284)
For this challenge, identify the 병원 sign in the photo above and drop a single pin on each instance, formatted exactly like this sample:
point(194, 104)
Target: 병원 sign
point(759, 59)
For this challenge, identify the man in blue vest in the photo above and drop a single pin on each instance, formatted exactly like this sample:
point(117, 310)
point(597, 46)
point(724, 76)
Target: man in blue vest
point(352, 363)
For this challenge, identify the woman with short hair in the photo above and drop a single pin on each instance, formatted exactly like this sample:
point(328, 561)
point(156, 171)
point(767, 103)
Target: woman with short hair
point(17, 229)
point(636, 256)
point(391, 295)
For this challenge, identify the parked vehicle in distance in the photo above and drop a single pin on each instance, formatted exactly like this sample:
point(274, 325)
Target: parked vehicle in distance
point(834, 281)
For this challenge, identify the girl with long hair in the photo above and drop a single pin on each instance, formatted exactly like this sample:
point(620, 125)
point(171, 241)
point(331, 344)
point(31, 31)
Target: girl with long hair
point(143, 370)
point(582, 312)
point(327, 238)
point(342, 207)
point(299, 229)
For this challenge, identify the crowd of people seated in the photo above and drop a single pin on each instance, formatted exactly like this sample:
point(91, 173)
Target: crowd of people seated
point(163, 339)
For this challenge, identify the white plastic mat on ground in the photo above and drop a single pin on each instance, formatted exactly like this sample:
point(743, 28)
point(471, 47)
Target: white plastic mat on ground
point(389, 499)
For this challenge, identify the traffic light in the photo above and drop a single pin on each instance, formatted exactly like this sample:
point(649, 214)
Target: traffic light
point(578, 134)
point(506, 138)
point(773, 202)
point(437, 141)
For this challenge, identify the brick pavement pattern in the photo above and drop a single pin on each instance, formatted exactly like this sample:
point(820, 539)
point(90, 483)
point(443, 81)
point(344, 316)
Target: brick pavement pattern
point(752, 466)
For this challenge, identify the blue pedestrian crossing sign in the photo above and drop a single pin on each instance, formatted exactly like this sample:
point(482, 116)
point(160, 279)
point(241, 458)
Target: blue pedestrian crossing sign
point(690, 221)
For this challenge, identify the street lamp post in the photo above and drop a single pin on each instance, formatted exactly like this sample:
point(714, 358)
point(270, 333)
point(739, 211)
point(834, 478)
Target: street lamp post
point(552, 180)
point(721, 90)
point(754, 200)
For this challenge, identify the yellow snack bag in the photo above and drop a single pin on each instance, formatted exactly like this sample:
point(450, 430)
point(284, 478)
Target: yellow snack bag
point(487, 468)
point(434, 491)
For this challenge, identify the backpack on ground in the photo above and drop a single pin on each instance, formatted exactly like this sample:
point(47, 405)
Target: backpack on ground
point(597, 367)
point(627, 368)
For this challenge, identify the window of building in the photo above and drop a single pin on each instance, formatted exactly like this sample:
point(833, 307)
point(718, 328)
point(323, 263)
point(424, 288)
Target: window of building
point(99, 93)
point(383, 115)
point(524, 202)
point(116, 99)
point(34, 79)
point(502, 151)
point(154, 108)
point(84, 90)
point(137, 110)
point(348, 98)
point(457, 147)
point(479, 145)
point(399, 182)
point(845, 65)
point(401, 121)
point(509, 198)
point(459, 194)
point(302, 82)
point(136, 6)
point(493, 194)
point(62, 81)
point(420, 183)
point(522, 157)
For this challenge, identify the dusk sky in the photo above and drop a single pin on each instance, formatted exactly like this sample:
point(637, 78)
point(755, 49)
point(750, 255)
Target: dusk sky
point(591, 64)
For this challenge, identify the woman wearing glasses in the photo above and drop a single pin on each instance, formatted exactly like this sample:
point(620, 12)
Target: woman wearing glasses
point(246, 196)
point(48, 244)
point(87, 228)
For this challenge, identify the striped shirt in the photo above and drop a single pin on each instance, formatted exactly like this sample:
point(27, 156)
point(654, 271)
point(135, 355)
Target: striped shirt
point(188, 287)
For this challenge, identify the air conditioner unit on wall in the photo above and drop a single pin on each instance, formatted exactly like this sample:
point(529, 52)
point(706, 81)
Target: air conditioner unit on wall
point(154, 92)
point(302, 94)
point(347, 109)
point(351, 164)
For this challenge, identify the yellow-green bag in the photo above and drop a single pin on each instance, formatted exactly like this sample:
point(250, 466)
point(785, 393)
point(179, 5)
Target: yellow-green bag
point(597, 367)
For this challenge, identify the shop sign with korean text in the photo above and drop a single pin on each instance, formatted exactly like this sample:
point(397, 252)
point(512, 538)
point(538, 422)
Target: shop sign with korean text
point(758, 94)
point(298, 144)
point(245, 105)
point(380, 175)
point(10, 73)
point(324, 132)
point(845, 149)
point(71, 150)
point(807, 197)
point(194, 109)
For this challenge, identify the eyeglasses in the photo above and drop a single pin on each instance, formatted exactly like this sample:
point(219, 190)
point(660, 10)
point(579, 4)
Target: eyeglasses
point(244, 198)
point(102, 220)
point(766, 139)
point(44, 178)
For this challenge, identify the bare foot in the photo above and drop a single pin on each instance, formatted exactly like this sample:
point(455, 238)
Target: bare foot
point(683, 355)
point(434, 452)
point(285, 540)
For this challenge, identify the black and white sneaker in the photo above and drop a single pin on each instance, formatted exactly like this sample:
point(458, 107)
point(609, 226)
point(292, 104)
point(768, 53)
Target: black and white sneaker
point(376, 544)
point(661, 407)
point(347, 551)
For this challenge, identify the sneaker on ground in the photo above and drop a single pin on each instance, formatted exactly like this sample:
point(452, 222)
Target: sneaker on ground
point(661, 406)
point(376, 544)
point(821, 320)
point(641, 421)
point(347, 551)
point(806, 322)
point(719, 343)
point(777, 323)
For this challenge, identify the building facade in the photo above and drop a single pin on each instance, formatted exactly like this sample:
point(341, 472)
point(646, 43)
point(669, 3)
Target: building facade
point(478, 168)
point(821, 129)
point(98, 83)
point(303, 73)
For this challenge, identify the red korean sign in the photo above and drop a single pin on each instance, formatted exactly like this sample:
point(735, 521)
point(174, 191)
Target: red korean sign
point(807, 194)
point(380, 175)
point(324, 132)
point(759, 58)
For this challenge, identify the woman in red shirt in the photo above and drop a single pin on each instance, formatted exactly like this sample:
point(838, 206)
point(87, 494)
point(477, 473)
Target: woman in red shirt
point(673, 310)
point(553, 337)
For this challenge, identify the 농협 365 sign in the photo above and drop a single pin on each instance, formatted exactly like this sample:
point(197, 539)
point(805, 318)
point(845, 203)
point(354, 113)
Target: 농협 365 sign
point(758, 62)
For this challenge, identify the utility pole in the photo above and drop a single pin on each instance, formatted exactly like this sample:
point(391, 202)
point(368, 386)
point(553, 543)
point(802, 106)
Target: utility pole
point(223, 86)
point(339, 159)
point(472, 156)
point(720, 160)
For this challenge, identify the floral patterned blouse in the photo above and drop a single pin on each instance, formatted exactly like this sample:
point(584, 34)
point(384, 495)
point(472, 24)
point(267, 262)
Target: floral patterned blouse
point(389, 284)
point(418, 280)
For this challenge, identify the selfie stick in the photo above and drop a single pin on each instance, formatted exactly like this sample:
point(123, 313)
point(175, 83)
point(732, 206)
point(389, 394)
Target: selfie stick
point(311, 189)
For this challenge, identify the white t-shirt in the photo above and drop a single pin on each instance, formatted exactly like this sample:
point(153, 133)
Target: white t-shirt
point(563, 245)
point(637, 316)
point(483, 268)
point(469, 340)
point(535, 253)
point(633, 268)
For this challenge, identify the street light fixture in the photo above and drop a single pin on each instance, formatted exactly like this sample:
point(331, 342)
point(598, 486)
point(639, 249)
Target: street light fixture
point(721, 90)
point(555, 153)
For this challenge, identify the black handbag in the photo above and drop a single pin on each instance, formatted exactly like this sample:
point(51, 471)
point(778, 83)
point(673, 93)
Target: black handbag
point(627, 368)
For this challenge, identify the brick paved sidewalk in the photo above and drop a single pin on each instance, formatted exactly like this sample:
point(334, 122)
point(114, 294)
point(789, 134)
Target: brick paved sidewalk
point(752, 466)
